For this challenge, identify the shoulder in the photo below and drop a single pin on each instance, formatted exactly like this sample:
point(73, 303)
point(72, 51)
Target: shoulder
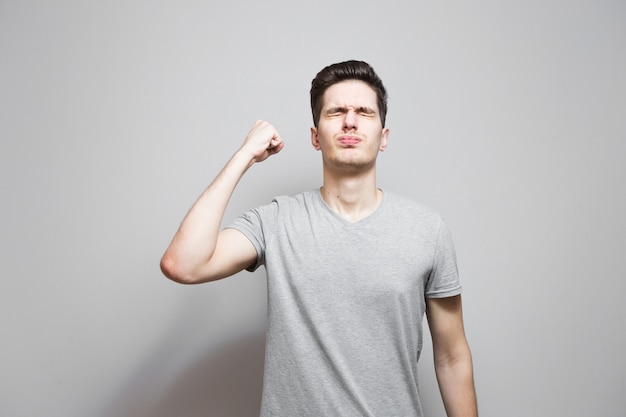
point(262, 221)
point(284, 204)
point(407, 208)
point(295, 201)
point(299, 198)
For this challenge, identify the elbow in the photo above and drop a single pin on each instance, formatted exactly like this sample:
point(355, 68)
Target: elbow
point(172, 269)
point(459, 357)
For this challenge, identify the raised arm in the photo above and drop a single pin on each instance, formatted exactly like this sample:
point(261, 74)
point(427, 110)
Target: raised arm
point(199, 251)
point(453, 360)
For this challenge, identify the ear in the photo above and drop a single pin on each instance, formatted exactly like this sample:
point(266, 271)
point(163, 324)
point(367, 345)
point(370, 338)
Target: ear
point(314, 141)
point(384, 140)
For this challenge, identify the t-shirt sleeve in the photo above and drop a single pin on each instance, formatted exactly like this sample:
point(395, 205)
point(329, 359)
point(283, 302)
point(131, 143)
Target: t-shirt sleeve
point(443, 280)
point(254, 224)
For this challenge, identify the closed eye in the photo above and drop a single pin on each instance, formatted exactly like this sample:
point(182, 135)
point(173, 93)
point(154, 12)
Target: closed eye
point(366, 111)
point(340, 111)
point(336, 111)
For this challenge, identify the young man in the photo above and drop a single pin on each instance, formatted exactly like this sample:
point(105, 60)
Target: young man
point(351, 269)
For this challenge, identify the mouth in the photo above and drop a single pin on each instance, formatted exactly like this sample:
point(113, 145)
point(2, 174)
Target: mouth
point(349, 140)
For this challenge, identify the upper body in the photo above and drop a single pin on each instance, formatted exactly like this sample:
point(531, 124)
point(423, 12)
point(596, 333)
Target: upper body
point(348, 102)
point(346, 302)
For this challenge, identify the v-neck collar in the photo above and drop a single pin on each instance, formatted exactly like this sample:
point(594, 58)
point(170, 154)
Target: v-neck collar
point(367, 219)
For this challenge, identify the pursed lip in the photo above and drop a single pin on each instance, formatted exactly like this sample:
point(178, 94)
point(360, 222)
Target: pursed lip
point(349, 140)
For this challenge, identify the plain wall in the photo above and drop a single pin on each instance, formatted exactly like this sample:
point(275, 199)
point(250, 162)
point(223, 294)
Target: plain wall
point(509, 118)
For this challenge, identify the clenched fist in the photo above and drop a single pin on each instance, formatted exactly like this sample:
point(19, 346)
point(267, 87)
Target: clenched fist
point(262, 141)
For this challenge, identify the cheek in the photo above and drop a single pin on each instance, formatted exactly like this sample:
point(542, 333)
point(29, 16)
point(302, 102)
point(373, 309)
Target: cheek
point(324, 134)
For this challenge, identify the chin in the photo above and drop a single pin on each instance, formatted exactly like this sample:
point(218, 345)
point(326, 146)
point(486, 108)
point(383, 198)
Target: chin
point(353, 164)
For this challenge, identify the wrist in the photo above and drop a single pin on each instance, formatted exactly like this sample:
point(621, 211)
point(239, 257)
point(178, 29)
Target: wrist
point(244, 158)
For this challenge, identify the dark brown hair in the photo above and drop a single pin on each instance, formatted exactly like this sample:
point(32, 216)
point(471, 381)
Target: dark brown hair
point(342, 71)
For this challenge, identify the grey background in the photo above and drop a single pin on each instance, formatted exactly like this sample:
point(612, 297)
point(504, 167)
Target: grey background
point(507, 117)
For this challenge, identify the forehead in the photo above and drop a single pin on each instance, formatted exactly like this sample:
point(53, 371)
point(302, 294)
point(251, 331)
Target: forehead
point(350, 93)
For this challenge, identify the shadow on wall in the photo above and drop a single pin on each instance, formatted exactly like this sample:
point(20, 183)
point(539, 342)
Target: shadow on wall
point(225, 383)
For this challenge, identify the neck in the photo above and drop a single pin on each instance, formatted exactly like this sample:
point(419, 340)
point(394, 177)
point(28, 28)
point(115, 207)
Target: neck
point(352, 197)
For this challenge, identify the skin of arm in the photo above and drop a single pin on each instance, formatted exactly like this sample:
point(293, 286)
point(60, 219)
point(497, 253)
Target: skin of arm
point(199, 251)
point(453, 359)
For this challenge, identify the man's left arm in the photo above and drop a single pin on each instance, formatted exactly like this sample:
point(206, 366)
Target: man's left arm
point(453, 359)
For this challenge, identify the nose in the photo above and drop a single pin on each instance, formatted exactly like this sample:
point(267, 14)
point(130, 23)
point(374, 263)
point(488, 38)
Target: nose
point(350, 119)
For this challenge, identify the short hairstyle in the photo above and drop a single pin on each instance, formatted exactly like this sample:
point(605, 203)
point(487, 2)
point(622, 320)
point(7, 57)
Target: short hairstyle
point(342, 71)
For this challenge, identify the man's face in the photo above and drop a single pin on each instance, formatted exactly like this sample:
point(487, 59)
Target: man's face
point(349, 132)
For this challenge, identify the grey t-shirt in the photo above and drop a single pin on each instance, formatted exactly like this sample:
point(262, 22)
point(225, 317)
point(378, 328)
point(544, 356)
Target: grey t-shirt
point(346, 303)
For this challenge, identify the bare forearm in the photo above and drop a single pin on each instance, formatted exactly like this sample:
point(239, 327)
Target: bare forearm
point(456, 383)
